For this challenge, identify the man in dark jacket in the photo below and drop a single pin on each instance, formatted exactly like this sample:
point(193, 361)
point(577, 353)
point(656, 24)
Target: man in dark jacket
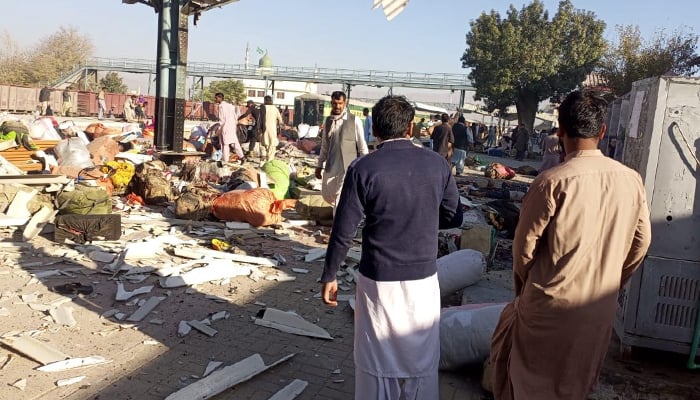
point(44, 98)
point(398, 297)
point(521, 139)
point(254, 129)
point(443, 139)
point(463, 143)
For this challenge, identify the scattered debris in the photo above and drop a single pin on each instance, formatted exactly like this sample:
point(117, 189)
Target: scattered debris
point(225, 378)
point(123, 295)
point(198, 253)
point(215, 269)
point(290, 322)
point(211, 367)
point(34, 349)
point(73, 363)
point(290, 391)
point(315, 254)
point(183, 329)
point(203, 328)
point(69, 381)
point(151, 342)
point(63, 315)
point(20, 384)
point(146, 308)
point(300, 270)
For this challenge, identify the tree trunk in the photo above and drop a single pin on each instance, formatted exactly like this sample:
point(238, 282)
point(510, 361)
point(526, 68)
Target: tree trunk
point(527, 110)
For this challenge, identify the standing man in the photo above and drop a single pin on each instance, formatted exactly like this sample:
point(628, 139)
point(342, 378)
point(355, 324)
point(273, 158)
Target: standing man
point(569, 265)
point(463, 142)
point(66, 106)
point(521, 139)
point(254, 129)
point(228, 119)
point(367, 125)
point(551, 149)
point(442, 137)
point(397, 311)
point(101, 105)
point(129, 111)
point(342, 141)
point(44, 98)
point(271, 119)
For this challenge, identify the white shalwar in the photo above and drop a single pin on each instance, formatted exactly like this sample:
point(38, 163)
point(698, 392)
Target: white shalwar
point(397, 339)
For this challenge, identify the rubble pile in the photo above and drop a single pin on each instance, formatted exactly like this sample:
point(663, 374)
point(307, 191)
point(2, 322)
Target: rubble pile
point(112, 219)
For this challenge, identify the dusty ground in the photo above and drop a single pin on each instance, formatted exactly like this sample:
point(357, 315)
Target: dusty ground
point(149, 361)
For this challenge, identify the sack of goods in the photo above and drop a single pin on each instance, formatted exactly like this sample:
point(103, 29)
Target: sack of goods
point(149, 182)
point(499, 171)
point(258, 207)
point(459, 269)
point(86, 228)
point(84, 199)
point(195, 204)
point(465, 334)
point(73, 152)
point(278, 173)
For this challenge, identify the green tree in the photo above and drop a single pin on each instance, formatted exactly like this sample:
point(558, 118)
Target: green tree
point(45, 63)
point(113, 83)
point(13, 62)
point(233, 91)
point(58, 55)
point(632, 58)
point(525, 57)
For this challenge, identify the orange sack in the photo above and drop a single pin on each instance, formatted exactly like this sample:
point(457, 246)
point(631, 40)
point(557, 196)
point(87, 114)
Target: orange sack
point(258, 207)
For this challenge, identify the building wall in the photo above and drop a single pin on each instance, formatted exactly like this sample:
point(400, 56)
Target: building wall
point(285, 91)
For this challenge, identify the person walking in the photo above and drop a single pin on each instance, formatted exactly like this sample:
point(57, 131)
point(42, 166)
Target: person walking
point(101, 105)
point(367, 125)
point(442, 137)
point(463, 143)
point(272, 119)
point(397, 309)
point(254, 129)
point(228, 119)
point(569, 264)
point(342, 141)
point(44, 98)
point(66, 106)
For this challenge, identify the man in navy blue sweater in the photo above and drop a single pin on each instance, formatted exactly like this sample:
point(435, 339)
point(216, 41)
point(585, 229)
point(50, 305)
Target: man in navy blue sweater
point(406, 193)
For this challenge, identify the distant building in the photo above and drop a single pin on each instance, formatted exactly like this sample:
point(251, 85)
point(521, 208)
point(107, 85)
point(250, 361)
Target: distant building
point(284, 91)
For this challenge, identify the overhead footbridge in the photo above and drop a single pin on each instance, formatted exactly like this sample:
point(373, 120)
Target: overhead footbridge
point(347, 77)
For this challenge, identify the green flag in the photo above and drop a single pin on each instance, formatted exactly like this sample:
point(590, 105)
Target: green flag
point(259, 50)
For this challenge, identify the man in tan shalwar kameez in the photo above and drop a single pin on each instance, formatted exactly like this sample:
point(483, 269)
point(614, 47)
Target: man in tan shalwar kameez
point(583, 230)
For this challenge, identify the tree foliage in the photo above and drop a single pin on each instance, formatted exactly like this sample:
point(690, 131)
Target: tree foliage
point(632, 58)
point(233, 91)
point(44, 63)
point(526, 57)
point(113, 83)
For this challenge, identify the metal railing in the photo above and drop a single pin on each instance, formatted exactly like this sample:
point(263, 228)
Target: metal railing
point(282, 73)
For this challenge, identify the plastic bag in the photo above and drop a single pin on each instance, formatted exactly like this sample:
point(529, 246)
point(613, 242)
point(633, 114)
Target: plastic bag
point(73, 152)
point(258, 207)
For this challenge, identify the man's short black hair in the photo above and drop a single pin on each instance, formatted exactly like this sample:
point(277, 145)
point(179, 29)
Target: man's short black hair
point(338, 95)
point(365, 110)
point(461, 119)
point(267, 100)
point(219, 95)
point(582, 114)
point(444, 117)
point(391, 117)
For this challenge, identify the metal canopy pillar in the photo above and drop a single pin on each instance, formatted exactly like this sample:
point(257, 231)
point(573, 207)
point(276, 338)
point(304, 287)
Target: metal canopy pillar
point(171, 75)
point(462, 95)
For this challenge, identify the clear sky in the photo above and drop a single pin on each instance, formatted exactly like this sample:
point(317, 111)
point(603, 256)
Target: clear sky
point(428, 36)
